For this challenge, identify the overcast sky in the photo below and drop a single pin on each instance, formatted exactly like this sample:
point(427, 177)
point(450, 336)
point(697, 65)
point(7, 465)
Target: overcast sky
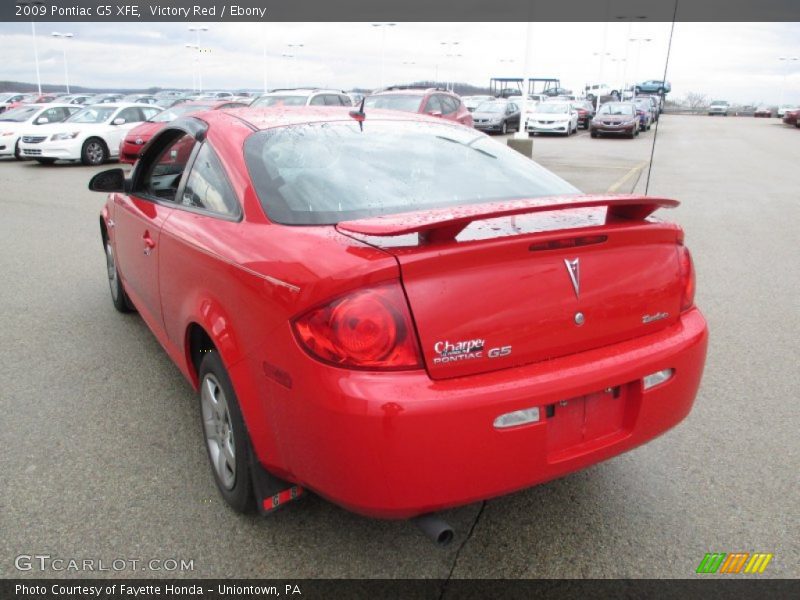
point(733, 61)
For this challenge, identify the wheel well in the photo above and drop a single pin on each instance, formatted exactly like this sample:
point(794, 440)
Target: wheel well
point(99, 139)
point(199, 343)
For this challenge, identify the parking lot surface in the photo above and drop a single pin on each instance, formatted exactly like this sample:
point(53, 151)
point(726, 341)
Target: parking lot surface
point(102, 448)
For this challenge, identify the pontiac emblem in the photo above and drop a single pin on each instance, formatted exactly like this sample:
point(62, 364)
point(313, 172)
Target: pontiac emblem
point(573, 268)
point(139, 141)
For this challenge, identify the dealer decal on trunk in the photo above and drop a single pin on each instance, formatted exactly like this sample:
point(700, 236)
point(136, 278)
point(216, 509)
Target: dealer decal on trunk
point(463, 350)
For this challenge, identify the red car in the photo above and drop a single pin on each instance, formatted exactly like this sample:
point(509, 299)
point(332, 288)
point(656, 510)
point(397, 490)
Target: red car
point(429, 101)
point(792, 117)
point(763, 111)
point(132, 144)
point(397, 312)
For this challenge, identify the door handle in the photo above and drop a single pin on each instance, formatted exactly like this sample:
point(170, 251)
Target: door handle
point(149, 244)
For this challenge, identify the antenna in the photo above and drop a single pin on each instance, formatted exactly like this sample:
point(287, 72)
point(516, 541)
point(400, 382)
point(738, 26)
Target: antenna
point(359, 115)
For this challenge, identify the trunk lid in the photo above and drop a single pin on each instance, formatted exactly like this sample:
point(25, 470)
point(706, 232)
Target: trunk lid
point(497, 288)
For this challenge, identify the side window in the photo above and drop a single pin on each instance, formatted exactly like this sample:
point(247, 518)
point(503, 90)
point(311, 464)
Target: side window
point(317, 101)
point(149, 113)
point(449, 104)
point(131, 115)
point(208, 187)
point(332, 100)
point(72, 110)
point(164, 173)
point(345, 101)
point(512, 108)
point(434, 104)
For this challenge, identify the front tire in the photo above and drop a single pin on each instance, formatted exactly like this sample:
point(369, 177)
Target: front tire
point(504, 128)
point(225, 434)
point(593, 134)
point(45, 161)
point(18, 152)
point(94, 152)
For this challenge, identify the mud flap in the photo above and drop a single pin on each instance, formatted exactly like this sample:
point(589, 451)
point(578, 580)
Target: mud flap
point(271, 492)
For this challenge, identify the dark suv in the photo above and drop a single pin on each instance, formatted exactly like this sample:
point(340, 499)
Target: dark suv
point(428, 101)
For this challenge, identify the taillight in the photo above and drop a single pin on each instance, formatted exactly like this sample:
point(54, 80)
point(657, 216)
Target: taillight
point(367, 329)
point(687, 278)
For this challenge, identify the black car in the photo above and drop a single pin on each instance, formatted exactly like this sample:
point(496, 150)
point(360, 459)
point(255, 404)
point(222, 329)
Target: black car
point(586, 112)
point(497, 116)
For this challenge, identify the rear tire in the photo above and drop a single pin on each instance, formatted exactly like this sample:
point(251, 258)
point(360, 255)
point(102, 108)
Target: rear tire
point(94, 152)
point(119, 298)
point(227, 443)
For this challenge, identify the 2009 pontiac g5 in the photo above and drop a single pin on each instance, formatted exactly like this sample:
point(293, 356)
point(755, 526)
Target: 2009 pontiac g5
point(396, 312)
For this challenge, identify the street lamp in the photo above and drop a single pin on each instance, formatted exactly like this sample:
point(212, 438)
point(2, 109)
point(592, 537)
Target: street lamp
point(65, 37)
point(638, 42)
point(197, 47)
point(196, 50)
point(618, 62)
point(294, 49)
point(445, 47)
point(785, 60)
point(383, 27)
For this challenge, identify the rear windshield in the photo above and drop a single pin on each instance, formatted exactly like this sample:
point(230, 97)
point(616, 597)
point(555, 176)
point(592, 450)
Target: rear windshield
point(323, 173)
point(176, 111)
point(408, 103)
point(280, 101)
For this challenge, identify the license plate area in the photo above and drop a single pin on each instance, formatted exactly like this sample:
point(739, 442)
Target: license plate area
point(580, 424)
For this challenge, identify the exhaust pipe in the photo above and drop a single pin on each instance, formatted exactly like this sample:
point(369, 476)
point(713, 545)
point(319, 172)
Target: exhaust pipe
point(437, 530)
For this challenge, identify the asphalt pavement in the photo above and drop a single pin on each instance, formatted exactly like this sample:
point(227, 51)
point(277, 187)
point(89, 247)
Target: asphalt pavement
point(103, 456)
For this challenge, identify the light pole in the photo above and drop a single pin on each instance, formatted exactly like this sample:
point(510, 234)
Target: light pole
point(36, 58)
point(638, 42)
point(196, 51)
point(445, 47)
point(618, 62)
point(600, 81)
point(294, 49)
point(451, 57)
point(785, 60)
point(197, 31)
point(64, 37)
point(383, 27)
point(291, 67)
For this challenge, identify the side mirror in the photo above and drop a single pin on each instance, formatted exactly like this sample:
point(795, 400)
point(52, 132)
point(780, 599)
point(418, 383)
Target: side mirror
point(118, 121)
point(109, 181)
point(42, 120)
point(435, 113)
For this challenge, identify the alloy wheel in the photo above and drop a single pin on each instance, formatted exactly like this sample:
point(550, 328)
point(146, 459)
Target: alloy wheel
point(218, 430)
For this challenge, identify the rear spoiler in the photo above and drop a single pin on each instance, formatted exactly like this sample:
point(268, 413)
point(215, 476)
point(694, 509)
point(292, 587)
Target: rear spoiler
point(444, 224)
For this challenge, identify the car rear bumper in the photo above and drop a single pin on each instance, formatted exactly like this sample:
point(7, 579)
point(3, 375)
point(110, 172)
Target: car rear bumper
point(395, 445)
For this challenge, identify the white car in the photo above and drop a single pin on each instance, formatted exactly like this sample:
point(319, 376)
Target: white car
point(91, 135)
point(552, 117)
point(303, 97)
point(784, 108)
point(27, 118)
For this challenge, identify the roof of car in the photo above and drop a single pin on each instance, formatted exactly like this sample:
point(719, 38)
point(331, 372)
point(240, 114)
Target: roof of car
point(411, 90)
point(121, 105)
point(260, 117)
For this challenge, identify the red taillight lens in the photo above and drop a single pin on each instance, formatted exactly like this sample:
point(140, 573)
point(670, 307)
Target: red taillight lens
point(367, 329)
point(687, 278)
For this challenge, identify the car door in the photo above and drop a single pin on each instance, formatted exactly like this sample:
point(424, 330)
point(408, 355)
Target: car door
point(132, 116)
point(513, 112)
point(140, 215)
